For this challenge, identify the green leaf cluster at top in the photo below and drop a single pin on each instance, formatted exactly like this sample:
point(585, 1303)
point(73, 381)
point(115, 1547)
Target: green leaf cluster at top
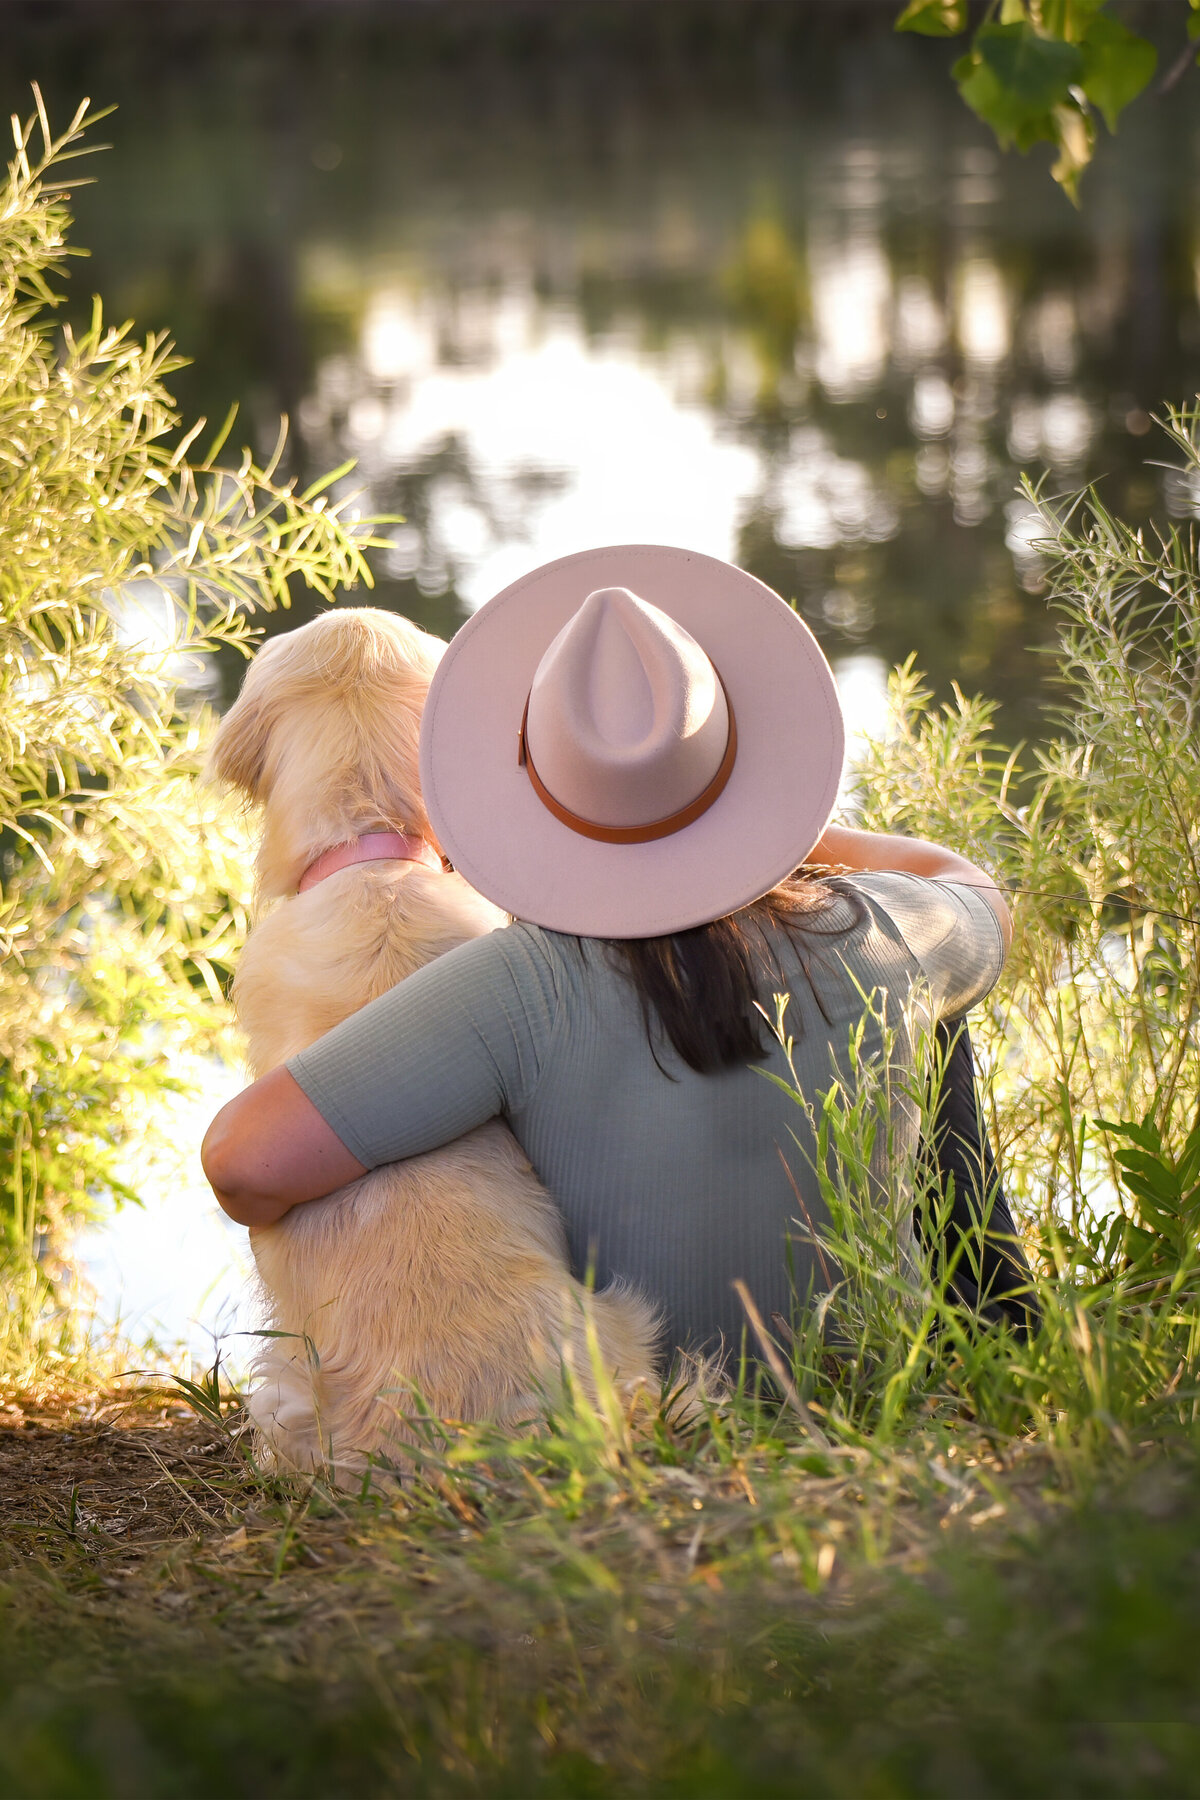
point(1039, 70)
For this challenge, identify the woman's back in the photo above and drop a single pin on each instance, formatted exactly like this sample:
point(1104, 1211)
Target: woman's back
point(677, 1181)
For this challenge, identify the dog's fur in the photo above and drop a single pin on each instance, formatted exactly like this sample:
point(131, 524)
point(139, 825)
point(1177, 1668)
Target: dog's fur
point(446, 1273)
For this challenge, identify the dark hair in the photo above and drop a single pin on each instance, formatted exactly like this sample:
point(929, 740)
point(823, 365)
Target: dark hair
point(702, 985)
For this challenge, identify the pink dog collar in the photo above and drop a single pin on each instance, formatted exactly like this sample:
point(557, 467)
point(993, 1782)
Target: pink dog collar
point(372, 846)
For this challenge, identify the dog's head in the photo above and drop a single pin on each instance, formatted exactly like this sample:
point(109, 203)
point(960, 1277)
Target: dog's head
point(325, 733)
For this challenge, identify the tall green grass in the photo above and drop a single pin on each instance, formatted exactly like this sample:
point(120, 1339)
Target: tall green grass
point(1091, 1042)
point(1096, 835)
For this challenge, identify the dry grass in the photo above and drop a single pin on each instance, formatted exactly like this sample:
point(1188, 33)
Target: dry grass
point(112, 1473)
point(148, 1496)
point(156, 1507)
point(599, 1609)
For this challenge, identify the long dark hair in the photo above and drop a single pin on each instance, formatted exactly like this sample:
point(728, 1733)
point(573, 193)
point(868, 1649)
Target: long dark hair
point(701, 986)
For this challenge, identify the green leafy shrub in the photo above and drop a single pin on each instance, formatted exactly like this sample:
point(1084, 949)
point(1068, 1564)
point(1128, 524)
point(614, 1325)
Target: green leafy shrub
point(1097, 837)
point(123, 560)
point(1161, 1240)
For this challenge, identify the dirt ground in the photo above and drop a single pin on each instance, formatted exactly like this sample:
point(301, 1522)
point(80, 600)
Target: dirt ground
point(124, 1473)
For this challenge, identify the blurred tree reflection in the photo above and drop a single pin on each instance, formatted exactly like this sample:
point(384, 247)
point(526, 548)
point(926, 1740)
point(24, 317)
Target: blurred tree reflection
point(765, 284)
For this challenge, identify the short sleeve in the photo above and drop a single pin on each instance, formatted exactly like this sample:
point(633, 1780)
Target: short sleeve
point(950, 930)
point(454, 1045)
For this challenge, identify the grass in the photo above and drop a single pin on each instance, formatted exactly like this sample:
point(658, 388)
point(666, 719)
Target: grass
point(713, 1608)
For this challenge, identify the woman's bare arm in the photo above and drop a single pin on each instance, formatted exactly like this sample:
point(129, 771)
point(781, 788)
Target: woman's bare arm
point(269, 1149)
point(877, 850)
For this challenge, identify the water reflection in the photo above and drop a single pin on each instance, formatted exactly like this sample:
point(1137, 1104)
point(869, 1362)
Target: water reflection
point(174, 1270)
point(768, 291)
point(533, 443)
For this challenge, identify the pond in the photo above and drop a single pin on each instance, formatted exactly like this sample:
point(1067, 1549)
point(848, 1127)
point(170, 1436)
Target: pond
point(733, 274)
point(743, 276)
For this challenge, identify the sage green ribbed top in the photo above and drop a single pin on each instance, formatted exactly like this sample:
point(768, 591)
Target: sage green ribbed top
point(676, 1182)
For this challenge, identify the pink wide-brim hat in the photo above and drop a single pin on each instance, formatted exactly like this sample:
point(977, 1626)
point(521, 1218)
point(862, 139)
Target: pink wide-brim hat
point(771, 805)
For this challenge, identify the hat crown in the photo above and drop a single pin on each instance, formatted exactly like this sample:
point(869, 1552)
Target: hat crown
point(627, 720)
point(504, 757)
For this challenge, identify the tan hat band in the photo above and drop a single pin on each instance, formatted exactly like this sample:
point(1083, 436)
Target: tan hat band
point(632, 834)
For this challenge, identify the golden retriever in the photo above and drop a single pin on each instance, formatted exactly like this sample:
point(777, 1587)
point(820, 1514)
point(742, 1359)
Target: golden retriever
point(446, 1273)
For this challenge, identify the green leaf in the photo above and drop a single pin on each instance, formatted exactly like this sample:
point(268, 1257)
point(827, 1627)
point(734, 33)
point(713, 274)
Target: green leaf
point(1141, 1247)
point(1075, 135)
point(934, 18)
point(1144, 1132)
point(1149, 1176)
point(1187, 1163)
point(1014, 79)
point(988, 99)
point(1038, 72)
point(1117, 65)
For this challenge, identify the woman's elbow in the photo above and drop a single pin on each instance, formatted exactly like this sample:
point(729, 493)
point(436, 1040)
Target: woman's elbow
point(269, 1149)
point(229, 1170)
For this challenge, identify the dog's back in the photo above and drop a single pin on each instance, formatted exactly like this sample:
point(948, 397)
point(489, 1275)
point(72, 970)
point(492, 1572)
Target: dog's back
point(446, 1273)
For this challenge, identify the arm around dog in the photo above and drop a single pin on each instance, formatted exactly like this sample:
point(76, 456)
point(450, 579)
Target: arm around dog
point(269, 1149)
point(448, 1048)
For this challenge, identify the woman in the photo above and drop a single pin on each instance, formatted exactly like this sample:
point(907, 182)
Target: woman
point(635, 751)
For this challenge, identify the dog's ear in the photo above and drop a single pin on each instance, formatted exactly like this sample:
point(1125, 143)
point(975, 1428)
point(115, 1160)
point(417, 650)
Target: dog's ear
point(239, 750)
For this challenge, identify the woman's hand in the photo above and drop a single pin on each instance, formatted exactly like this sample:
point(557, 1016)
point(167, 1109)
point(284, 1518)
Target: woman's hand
point(269, 1149)
point(877, 850)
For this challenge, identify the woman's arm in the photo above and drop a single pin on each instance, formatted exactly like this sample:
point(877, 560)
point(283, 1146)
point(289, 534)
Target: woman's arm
point(269, 1149)
point(877, 850)
point(452, 1046)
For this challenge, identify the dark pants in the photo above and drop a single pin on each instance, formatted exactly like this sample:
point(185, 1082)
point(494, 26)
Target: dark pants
point(978, 1239)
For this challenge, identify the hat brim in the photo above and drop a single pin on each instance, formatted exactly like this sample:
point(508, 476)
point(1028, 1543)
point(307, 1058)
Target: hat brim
point(773, 810)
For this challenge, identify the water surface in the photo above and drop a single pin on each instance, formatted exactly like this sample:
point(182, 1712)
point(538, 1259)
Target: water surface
point(745, 277)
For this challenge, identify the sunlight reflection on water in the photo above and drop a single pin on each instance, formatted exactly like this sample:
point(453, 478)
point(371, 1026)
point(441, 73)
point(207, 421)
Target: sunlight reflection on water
point(174, 1270)
point(557, 443)
point(786, 304)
